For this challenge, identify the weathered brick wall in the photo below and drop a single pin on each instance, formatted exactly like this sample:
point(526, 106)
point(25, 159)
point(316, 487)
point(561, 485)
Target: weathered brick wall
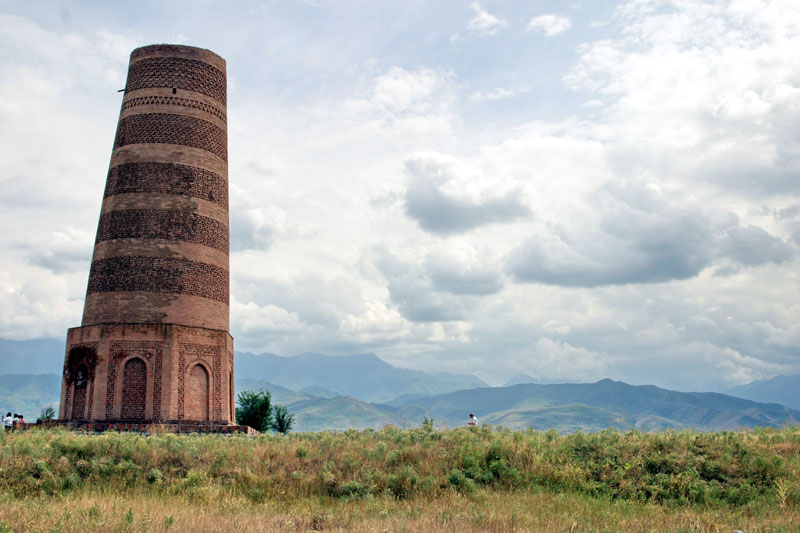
point(176, 226)
point(79, 401)
point(177, 72)
point(134, 390)
point(157, 301)
point(159, 275)
point(169, 388)
point(163, 128)
point(163, 236)
point(196, 394)
point(151, 177)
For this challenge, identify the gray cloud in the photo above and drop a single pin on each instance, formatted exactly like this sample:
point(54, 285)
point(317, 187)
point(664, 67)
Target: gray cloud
point(63, 251)
point(459, 276)
point(437, 290)
point(751, 245)
point(641, 238)
point(252, 229)
point(438, 213)
point(437, 197)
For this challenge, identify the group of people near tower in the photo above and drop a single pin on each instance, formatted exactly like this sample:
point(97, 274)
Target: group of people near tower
point(12, 422)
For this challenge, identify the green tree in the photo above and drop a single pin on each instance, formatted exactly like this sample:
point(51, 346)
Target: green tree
point(255, 409)
point(47, 414)
point(283, 419)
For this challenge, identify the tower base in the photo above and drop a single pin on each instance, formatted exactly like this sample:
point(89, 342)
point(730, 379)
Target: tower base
point(148, 374)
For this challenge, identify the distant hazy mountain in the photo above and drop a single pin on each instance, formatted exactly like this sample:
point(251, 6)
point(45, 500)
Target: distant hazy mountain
point(363, 376)
point(784, 390)
point(28, 394)
point(278, 394)
point(344, 412)
point(521, 379)
point(607, 403)
point(38, 356)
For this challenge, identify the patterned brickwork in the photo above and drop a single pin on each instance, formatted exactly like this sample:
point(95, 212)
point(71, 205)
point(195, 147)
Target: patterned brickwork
point(179, 73)
point(119, 350)
point(66, 401)
point(158, 274)
point(79, 403)
point(173, 226)
point(163, 128)
point(157, 379)
point(169, 178)
point(134, 389)
point(181, 381)
point(174, 100)
point(217, 384)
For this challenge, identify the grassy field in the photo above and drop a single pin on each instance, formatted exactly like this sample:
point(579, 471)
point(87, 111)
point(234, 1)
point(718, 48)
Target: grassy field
point(467, 479)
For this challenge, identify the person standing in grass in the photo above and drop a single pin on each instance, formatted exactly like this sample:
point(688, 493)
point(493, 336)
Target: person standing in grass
point(473, 421)
point(8, 421)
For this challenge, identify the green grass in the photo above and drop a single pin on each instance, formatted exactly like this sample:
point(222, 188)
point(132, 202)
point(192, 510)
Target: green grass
point(419, 475)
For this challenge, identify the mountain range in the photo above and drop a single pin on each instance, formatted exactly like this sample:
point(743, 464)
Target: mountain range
point(37, 356)
point(364, 376)
point(360, 391)
point(780, 389)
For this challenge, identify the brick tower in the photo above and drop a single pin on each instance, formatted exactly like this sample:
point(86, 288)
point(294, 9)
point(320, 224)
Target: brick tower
point(154, 346)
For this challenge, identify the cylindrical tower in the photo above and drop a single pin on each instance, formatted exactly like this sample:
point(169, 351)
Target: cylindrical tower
point(154, 342)
point(161, 254)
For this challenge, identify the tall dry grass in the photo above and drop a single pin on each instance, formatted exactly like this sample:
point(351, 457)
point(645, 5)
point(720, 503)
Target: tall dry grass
point(467, 479)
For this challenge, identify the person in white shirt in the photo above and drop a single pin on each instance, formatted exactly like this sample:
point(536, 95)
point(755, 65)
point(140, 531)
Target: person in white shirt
point(473, 421)
point(8, 422)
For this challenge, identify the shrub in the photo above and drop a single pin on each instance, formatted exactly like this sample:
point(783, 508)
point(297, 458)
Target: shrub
point(255, 409)
point(283, 419)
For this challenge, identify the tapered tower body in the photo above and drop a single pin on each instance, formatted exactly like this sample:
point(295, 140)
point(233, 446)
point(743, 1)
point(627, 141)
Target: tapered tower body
point(154, 344)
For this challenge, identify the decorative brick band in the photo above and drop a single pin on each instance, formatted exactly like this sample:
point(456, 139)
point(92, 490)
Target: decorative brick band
point(179, 73)
point(160, 275)
point(163, 128)
point(173, 226)
point(174, 100)
point(168, 178)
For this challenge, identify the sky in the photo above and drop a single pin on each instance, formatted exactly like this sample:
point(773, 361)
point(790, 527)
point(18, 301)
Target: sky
point(571, 190)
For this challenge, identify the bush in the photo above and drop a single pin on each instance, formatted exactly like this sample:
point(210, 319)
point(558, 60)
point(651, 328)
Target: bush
point(737, 469)
point(283, 419)
point(255, 409)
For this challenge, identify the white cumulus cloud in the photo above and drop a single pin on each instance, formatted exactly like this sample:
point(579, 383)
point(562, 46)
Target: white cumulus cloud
point(484, 23)
point(549, 24)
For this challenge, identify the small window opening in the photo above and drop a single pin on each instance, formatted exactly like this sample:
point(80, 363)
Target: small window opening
point(174, 90)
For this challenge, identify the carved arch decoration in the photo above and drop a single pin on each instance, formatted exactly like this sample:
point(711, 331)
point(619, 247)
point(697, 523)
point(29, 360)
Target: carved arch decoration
point(79, 372)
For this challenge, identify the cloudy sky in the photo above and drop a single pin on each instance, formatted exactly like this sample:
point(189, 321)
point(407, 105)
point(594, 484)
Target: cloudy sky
point(571, 190)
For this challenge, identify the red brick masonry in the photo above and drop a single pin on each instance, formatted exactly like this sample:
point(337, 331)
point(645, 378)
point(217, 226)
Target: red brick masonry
point(169, 178)
point(163, 128)
point(147, 429)
point(154, 346)
point(148, 373)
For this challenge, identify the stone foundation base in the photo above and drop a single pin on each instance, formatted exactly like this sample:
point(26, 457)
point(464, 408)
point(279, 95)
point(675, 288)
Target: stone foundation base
point(148, 373)
point(147, 428)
